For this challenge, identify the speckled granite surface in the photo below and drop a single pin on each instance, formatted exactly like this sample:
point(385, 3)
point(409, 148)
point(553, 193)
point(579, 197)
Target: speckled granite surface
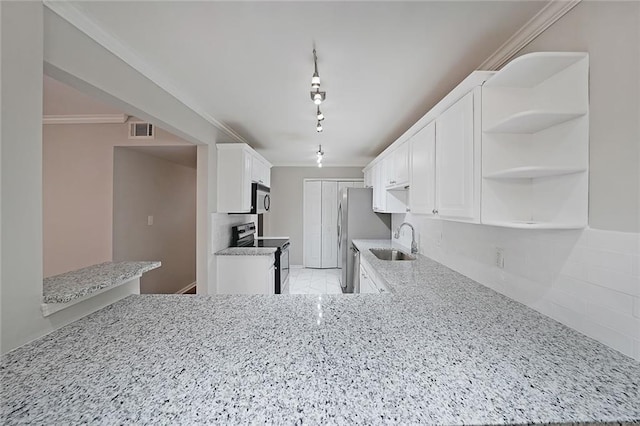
point(442, 349)
point(72, 285)
point(247, 251)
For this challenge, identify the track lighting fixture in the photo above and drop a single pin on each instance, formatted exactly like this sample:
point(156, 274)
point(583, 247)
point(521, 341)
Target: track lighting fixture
point(320, 155)
point(317, 96)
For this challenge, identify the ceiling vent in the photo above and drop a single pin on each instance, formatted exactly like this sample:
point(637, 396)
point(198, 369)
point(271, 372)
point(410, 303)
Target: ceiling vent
point(138, 130)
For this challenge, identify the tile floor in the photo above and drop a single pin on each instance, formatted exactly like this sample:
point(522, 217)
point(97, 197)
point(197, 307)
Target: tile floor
point(314, 281)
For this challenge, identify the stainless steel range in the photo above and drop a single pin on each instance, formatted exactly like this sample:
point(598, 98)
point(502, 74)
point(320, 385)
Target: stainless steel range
point(245, 236)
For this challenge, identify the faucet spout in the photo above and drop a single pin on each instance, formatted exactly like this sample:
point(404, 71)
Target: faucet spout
point(414, 245)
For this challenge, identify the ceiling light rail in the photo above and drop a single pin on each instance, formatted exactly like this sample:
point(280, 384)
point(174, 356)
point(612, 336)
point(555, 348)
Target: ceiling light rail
point(317, 96)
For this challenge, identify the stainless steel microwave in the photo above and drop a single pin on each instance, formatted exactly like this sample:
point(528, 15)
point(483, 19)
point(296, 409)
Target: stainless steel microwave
point(260, 198)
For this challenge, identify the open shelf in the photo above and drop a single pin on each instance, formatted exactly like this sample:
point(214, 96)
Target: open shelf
point(533, 225)
point(533, 172)
point(532, 121)
point(530, 70)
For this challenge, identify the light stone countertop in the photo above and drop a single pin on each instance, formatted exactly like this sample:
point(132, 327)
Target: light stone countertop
point(440, 349)
point(247, 251)
point(64, 288)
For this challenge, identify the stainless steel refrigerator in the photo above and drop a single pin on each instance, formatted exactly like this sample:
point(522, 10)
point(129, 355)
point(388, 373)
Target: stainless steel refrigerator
point(357, 220)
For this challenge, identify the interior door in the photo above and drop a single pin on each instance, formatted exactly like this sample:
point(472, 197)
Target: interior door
point(329, 224)
point(313, 224)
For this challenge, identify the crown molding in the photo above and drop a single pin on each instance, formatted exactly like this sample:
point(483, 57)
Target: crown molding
point(85, 119)
point(70, 13)
point(549, 14)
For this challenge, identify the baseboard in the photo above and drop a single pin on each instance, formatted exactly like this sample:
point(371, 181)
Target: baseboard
point(187, 288)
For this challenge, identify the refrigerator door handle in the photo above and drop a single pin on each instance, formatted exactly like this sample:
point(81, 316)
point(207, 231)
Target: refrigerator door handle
point(339, 226)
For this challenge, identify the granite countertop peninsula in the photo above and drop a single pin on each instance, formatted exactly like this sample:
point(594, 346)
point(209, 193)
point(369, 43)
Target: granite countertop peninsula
point(440, 349)
point(247, 251)
point(64, 288)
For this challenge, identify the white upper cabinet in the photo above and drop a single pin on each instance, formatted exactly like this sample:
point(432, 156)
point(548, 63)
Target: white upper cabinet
point(397, 167)
point(422, 183)
point(458, 161)
point(535, 142)
point(368, 178)
point(260, 171)
point(238, 166)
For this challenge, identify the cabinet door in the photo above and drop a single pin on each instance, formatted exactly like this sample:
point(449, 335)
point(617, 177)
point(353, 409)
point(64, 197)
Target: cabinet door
point(271, 280)
point(329, 224)
point(246, 181)
point(266, 175)
point(313, 224)
point(368, 178)
point(422, 197)
point(389, 167)
point(455, 165)
point(380, 189)
point(401, 164)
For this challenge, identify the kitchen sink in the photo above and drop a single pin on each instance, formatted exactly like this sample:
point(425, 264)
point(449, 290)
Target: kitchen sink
point(391, 254)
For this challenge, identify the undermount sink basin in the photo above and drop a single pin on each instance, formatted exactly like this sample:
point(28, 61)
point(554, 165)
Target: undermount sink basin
point(391, 254)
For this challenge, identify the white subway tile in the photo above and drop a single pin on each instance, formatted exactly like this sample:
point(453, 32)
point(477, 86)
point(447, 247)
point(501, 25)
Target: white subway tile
point(636, 350)
point(619, 262)
point(636, 307)
point(635, 265)
point(625, 324)
point(623, 242)
point(568, 317)
point(609, 337)
point(567, 300)
point(574, 270)
point(625, 283)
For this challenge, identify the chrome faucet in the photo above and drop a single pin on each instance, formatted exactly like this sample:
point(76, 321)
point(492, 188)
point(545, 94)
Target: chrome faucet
point(414, 245)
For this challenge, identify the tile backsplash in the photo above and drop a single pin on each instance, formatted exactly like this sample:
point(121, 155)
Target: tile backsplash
point(221, 224)
point(586, 279)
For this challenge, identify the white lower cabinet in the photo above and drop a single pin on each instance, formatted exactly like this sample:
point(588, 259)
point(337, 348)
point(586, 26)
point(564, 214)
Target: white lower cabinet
point(368, 283)
point(246, 274)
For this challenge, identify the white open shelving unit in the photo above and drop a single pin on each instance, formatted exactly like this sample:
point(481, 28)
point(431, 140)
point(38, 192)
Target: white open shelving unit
point(535, 142)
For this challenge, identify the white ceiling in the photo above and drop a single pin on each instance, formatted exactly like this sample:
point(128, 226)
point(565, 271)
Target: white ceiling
point(249, 64)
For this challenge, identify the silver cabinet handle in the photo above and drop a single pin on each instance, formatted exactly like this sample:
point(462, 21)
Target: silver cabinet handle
point(408, 209)
point(434, 211)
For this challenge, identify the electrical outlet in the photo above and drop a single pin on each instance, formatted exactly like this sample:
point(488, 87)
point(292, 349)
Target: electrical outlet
point(499, 258)
point(149, 220)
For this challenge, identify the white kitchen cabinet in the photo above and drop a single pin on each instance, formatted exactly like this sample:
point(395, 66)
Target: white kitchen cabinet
point(458, 156)
point(379, 188)
point(535, 142)
point(368, 178)
point(260, 172)
point(238, 166)
point(422, 183)
point(246, 274)
point(397, 167)
point(369, 283)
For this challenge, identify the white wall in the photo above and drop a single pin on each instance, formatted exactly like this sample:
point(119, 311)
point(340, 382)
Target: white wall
point(21, 131)
point(145, 185)
point(73, 58)
point(285, 216)
point(78, 174)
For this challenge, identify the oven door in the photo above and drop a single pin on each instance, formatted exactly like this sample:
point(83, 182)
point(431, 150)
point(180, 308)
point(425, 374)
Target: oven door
point(260, 199)
point(284, 268)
